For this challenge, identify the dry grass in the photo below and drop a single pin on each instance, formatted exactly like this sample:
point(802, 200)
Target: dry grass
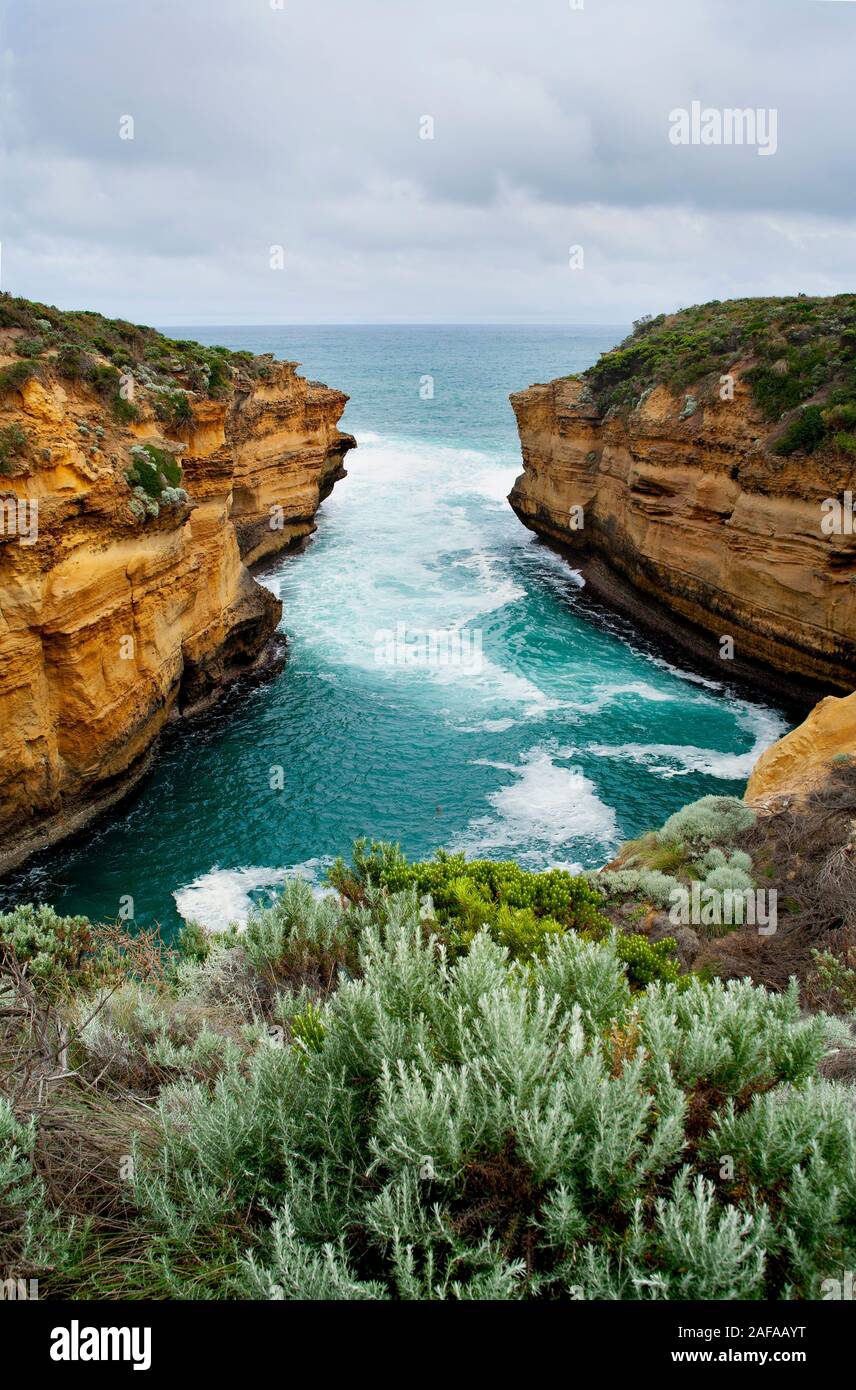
point(806, 851)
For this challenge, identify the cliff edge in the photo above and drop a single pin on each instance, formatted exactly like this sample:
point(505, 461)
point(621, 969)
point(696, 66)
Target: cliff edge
point(139, 476)
point(804, 758)
point(702, 475)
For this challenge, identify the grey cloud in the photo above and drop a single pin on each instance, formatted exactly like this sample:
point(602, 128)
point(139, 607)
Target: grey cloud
point(256, 126)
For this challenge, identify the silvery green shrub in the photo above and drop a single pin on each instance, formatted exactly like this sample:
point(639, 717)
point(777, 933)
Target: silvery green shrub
point(712, 819)
point(651, 884)
point(475, 1128)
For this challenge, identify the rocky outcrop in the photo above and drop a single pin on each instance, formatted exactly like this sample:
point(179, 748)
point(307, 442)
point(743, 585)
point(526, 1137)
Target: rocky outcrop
point(680, 512)
point(119, 613)
point(288, 455)
point(803, 758)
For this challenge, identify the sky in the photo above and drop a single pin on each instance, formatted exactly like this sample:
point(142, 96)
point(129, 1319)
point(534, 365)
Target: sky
point(279, 170)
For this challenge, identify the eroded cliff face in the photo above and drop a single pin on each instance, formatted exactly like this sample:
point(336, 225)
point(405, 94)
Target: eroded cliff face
point(112, 624)
point(693, 526)
point(802, 760)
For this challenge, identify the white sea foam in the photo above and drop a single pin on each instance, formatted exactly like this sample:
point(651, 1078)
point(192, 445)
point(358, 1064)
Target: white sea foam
point(221, 897)
point(487, 726)
point(678, 760)
point(547, 807)
point(603, 695)
point(689, 676)
point(424, 547)
point(491, 481)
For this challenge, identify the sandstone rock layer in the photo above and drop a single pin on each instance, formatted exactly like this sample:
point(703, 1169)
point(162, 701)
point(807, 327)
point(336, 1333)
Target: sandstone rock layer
point(691, 524)
point(802, 758)
point(110, 625)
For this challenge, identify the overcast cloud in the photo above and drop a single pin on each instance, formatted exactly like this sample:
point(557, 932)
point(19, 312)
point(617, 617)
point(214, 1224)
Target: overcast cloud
point(256, 126)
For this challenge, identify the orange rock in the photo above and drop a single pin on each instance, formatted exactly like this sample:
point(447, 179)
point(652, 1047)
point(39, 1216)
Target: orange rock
point(803, 757)
point(109, 625)
point(695, 528)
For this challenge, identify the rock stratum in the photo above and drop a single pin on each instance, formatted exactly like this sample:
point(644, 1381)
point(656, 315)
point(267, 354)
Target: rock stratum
point(159, 471)
point(802, 760)
point(693, 473)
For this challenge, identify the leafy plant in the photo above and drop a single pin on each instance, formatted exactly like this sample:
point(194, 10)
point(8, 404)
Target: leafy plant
point(51, 947)
point(154, 477)
point(16, 375)
point(13, 446)
point(804, 433)
point(174, 408)
point(422, 1126)
point(713, 819)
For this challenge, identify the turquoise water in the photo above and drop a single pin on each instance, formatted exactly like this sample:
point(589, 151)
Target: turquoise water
point(563, 734)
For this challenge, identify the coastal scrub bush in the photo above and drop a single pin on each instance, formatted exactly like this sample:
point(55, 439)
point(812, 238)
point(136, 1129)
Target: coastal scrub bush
point(72, 362)
point(845, 441)
point(299, 933)
point(713, 819)
point(650, 884)
point(13, 447)
point(428, 1124)
point(804, 433)
point(30, 1235)
point(565, 897)
point(834, 979)
point(16, 375)
point(523, 912)
point(51, 947)
point(174, 408)
point(717, 859)
point(154, 478)
point(124, 412)
point(442, 1129)
point(153, 469)
point(104, 379)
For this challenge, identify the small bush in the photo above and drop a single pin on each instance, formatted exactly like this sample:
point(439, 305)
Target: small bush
point(844, 442)
point(834, 979)
point(13, 447)
point(841, 417)
point(649, 884)
point(713, 819)
point(51, 947)
point(105, 380)
point(803, 434)
point(174, 408)
point(153, 470)
point(16, 375)
point(125, 412)
point(72, 362)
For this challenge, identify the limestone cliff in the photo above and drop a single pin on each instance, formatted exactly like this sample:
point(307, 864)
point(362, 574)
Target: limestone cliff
point(126, 602)
point(693, 473)
point(803, 758)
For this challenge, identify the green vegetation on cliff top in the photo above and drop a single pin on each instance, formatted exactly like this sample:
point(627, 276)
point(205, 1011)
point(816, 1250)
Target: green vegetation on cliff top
point(798, 355)
point(85, 346)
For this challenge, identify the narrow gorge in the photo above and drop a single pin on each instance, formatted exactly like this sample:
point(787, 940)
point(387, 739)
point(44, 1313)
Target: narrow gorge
point(141, 478)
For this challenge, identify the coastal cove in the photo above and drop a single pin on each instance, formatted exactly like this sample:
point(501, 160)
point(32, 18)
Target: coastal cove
point(571, 733)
